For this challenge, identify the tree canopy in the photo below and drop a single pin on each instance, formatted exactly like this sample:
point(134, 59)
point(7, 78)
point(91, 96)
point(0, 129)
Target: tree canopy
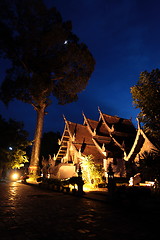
point(46, 59)
point(13, 142)
point(146, 97)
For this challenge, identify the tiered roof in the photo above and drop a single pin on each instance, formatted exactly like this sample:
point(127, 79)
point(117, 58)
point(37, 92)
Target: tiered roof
point(140, 145)
point(92, 123)
point(120, 124)
point(80, 133)
point(108, 137)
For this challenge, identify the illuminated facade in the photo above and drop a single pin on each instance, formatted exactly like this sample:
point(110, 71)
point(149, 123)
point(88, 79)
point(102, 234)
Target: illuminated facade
point(108, 140)
point(141, 144)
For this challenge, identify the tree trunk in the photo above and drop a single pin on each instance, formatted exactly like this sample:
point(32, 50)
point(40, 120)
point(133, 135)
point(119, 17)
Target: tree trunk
point(34, 163)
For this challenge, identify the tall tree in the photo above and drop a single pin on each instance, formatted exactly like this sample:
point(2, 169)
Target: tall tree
point(47, 59)
point(146, 96)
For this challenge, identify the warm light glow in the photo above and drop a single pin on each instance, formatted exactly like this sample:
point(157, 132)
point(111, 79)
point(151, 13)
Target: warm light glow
point(33, 167)
point(90, 173)
point(87, 187)
point(147, 184)
point(131, 181)
point(73, 187)
point(15, 176)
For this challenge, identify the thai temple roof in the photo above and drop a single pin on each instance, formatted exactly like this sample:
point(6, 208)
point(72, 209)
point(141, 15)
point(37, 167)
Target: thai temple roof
point(109, 136)
point(93, 124)
point(80, 133)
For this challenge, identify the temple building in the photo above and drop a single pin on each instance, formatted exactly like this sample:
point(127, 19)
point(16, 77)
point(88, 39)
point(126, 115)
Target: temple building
point(110, 140)
point(141, 144)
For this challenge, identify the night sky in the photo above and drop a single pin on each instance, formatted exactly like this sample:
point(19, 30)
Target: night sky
point(124, 38)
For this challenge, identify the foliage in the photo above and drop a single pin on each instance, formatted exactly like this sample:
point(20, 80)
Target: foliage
point(46, 59)
point(13, 141)
point(46, 56)
point(149, 165)
point(90, 172)
point(16, 158)
point(146, 96)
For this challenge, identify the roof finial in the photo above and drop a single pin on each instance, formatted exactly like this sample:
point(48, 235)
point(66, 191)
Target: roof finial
point(74, 137)
point(94, 132)
point(139, 126)
point(103, 148)
point(83, 113)
point(112, 128)
point(64, 118)
point(59, 142)
point(100, 113)
point(85, 119)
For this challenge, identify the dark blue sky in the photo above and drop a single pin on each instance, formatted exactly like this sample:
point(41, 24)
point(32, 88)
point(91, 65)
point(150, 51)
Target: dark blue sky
point(124, 38)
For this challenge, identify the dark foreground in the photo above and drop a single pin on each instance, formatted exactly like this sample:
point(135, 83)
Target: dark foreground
point(28, 212)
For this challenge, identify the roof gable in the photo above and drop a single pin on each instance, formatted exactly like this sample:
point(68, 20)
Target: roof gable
point(93, 124)
point(80, 133)
point(119, 124)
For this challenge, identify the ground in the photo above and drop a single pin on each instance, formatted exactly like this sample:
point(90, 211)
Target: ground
point(28, 212)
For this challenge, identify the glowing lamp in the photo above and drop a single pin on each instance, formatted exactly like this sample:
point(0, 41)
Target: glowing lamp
point(15, 176)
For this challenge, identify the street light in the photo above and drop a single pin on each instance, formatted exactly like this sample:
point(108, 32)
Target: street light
point(15, 176)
